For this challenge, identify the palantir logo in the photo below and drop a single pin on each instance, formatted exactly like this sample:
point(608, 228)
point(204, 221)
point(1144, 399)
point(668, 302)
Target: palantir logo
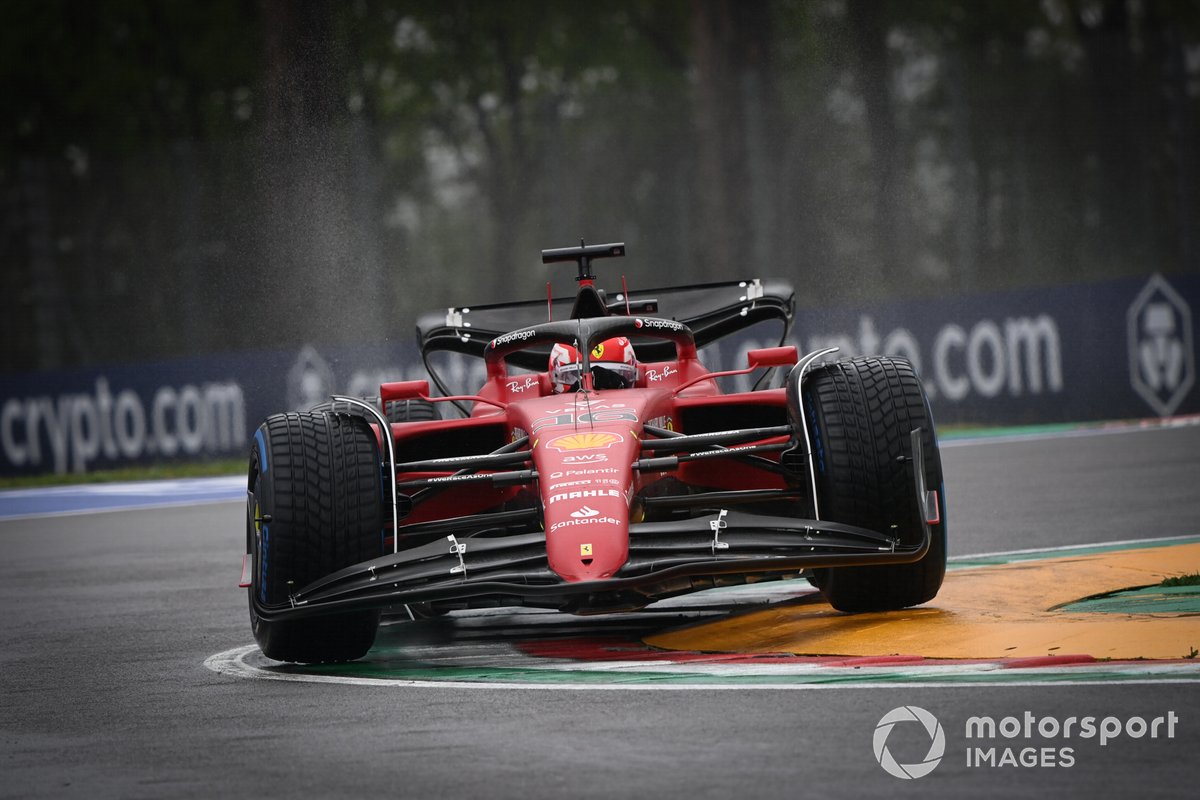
point(931, 727)
point(1162, 364)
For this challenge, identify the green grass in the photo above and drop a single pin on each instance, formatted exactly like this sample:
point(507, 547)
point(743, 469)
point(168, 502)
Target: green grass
point(149, 472)
point(1183, 580)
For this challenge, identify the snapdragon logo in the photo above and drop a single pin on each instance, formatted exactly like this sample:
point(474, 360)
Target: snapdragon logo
point(927, 726)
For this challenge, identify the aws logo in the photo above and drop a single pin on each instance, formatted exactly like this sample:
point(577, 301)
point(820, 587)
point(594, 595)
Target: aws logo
point(585, 458)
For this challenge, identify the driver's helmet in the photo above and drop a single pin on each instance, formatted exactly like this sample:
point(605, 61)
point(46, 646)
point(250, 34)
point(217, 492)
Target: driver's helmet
point(614, 365)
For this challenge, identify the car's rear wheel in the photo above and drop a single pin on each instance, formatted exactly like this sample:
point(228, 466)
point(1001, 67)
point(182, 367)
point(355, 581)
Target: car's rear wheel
point(414, 410)
point(314, 507)
point(861, 413)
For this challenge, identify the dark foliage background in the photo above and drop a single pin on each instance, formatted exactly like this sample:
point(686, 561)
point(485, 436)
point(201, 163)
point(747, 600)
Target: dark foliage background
point(182, 178)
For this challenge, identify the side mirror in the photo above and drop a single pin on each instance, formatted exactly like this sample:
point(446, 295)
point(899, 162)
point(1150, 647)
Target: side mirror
point(772, 357)
point(403, 390)
point(766, 357)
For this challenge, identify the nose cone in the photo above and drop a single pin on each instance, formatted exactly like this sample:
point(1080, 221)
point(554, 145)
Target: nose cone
point(585, 481)
point(589, 544)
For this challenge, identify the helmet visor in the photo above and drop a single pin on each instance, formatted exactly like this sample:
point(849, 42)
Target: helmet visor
point(605, 375)
point(613, 375)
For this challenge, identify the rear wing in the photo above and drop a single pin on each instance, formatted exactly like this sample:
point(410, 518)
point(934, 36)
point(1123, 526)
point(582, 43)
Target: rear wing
point(712, 311)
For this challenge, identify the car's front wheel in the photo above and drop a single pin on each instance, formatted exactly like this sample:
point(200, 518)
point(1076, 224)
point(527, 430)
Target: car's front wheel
point(860, 414)
point(314, 506)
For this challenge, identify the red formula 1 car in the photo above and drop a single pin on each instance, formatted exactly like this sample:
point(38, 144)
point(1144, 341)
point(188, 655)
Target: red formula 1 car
point(599, 468)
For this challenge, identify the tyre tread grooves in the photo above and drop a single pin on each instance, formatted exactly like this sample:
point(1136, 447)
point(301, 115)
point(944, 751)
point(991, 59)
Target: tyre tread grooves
point(866, 409)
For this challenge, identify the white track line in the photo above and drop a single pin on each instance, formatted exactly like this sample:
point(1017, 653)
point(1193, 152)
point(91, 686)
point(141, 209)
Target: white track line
point(1071, 547)
point(1099, 429)
point(233, 663)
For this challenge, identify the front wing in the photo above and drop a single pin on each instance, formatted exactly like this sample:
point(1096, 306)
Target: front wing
point(665, 559)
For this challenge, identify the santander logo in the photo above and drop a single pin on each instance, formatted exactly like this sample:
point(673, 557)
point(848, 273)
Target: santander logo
point(584, 513)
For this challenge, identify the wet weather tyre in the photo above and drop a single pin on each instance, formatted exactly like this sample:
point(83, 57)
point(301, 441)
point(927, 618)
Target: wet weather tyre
point(860, 414)
point(314, 506)
point(414, 410)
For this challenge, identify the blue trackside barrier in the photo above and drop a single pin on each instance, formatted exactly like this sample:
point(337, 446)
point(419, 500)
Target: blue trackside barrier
point(1112, 350)
point(177, 410)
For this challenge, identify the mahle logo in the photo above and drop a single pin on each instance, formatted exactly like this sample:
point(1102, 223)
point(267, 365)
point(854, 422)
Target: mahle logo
point(927, 726)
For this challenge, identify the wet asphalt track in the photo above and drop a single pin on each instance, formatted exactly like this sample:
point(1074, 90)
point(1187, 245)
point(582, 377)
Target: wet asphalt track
point(108, 618)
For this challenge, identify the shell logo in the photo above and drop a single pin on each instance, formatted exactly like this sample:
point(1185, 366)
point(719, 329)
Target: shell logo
point(584, 441)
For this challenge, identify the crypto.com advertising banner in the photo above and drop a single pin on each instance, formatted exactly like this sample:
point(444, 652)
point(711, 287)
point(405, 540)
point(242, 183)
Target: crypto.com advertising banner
point(1120, 349)
point(182, 410)
point(1114, 350)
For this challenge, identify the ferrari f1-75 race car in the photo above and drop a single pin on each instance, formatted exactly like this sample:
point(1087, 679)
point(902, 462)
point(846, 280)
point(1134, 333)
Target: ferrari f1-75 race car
point(599, 468)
